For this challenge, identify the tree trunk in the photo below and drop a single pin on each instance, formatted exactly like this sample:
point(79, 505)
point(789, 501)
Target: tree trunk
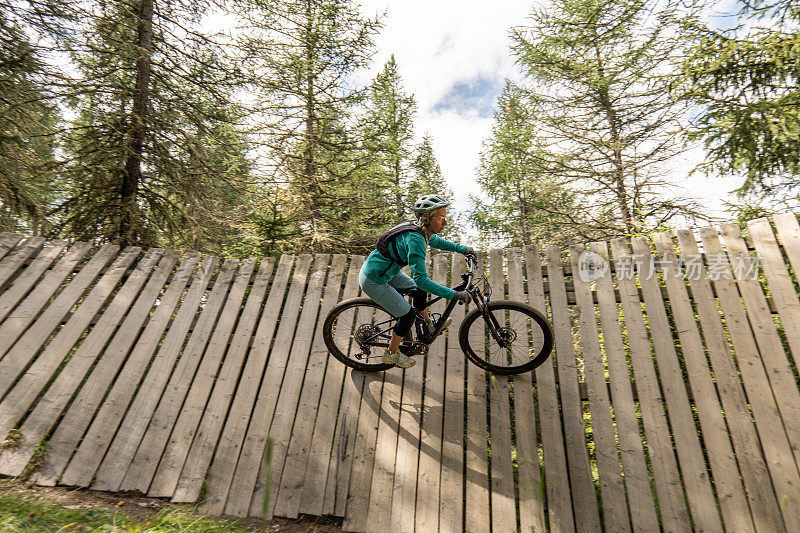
point(398, 192)
point(523, 211)
point(310, 167)
point(130, 221)
point(616, 146)
point(619, 173)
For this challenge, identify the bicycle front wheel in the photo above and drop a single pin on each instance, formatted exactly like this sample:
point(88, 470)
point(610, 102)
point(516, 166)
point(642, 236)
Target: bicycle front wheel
point(525, 338)
point(356, 332)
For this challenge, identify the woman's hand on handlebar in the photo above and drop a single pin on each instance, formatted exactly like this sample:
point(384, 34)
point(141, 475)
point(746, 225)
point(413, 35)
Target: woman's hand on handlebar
point(461, 296)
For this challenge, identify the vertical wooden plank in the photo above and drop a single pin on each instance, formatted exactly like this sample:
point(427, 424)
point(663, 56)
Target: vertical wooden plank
point(246, 475)
point(340, 468)
point(775, 359)
point(789, 232)
point(502, 472)
point(176, 437)
point(199, 456)
point(141, 468)
point(451, 505)
point(286, 409)
point(426, 517)
point(722, 455)
point(381, 489)
point(32, 383)
point(97, 439)
point(366, 438)
point(14, 261)
point(51, 405)
point(477, 503)
point(31, 274)
point(687, 443)
point(674, 514)
point(319, 457)
point(531, 497)
point(780, 281)
point(297, 455)
point(358, 493)
point(7, 242)
point(612, 491)
point(774, 441)
point(559, 497)
point(583, 496)
point(382, 513)
point(115, 463)
point(404, 494)
point(224, 463)
point(640, 500)
point(17, 323)
point(71, 428)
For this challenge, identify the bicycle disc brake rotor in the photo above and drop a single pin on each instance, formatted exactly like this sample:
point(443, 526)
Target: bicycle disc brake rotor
point(507, 336)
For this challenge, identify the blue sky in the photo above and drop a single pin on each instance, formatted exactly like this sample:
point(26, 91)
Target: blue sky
point(477, 95)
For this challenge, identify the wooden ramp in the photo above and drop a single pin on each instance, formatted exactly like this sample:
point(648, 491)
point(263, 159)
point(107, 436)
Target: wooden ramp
point(671, 401)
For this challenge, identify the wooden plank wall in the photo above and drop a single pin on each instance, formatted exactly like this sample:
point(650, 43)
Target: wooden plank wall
point(671, 400)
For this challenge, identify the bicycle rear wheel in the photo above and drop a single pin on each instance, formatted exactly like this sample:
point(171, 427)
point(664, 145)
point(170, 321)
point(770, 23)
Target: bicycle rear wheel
point(356, 332)
point(527, 338)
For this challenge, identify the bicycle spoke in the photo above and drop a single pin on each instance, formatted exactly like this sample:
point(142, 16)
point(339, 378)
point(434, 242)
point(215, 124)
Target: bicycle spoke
point(477, 337)
point(351, 338)
point(518, 341)
point(343, 332)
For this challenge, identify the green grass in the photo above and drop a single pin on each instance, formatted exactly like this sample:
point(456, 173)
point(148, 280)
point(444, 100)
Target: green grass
point(18, 514)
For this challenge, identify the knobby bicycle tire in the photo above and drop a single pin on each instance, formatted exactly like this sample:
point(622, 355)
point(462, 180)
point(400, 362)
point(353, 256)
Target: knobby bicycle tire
point(340, 343)
point(476, 340)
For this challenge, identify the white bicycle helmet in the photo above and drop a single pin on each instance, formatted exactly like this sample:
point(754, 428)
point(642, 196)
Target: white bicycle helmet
point(429, 203)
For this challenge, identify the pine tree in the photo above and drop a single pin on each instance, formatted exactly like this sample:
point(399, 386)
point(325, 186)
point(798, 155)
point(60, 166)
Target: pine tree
point(525, 201)
point(388, 126)
point(746, 86)
point(28, 117)
point(427, 178)
point(598, 74)
point(302, 55)
point(153, 149)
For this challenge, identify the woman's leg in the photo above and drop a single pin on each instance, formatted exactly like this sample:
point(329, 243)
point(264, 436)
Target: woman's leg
point(385, 295)
point(418, 296)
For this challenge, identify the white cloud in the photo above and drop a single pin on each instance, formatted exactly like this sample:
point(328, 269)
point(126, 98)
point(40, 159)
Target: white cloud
point(709, 191)
point(438, 45)
point(457, 143)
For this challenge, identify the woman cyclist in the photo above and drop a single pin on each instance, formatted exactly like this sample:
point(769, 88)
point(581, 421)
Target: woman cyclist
point(406, 244)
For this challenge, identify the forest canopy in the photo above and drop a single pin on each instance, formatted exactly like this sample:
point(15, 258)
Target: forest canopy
point(132, 122)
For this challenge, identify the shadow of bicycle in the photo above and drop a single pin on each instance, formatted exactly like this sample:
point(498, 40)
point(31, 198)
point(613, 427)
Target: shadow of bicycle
point(389, 398)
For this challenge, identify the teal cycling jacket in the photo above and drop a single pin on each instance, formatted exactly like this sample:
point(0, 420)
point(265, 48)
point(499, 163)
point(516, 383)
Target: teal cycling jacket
point(412, 248)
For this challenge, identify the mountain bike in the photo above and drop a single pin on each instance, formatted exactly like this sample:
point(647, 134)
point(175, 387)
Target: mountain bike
point(503, 337)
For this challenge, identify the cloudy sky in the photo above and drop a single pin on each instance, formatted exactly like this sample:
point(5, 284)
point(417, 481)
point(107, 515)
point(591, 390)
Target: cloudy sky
point(453, 56)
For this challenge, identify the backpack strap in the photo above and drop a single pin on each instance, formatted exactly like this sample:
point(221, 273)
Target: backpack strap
point(387, 245)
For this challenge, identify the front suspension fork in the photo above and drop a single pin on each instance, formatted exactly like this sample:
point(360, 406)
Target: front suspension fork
point(491, 321)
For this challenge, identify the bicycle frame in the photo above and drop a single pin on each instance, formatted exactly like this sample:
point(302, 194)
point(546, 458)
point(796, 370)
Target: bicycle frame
point(478, 298)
